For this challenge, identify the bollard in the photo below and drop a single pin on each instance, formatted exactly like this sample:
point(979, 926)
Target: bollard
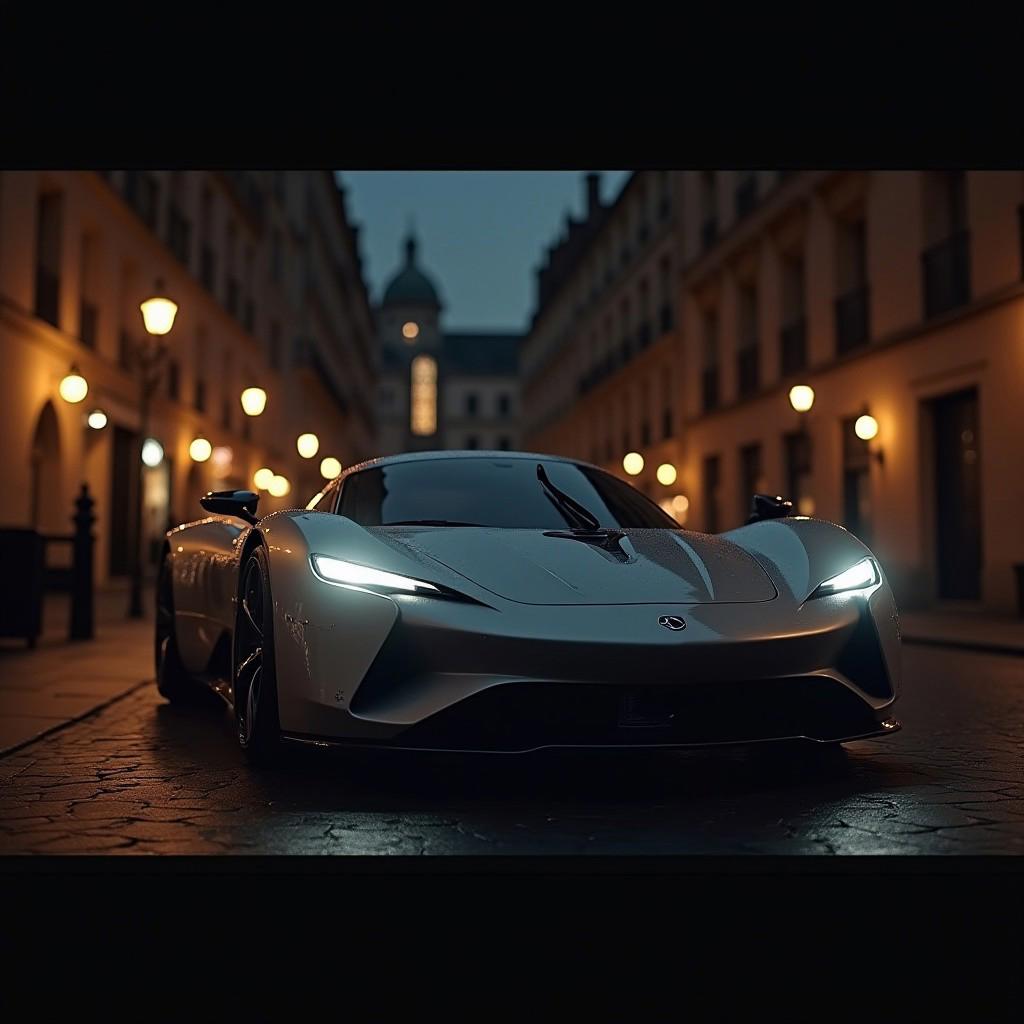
point(81, 625)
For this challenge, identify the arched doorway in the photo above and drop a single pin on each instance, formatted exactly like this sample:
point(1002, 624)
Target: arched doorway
point(46, 508)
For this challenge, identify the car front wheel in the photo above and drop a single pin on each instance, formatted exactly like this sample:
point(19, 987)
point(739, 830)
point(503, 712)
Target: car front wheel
point(254, 678)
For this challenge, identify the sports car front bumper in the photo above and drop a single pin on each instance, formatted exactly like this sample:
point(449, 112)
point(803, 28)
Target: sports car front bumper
point(514, 679)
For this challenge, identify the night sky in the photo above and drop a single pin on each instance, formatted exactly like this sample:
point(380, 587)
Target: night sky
point(482, 233)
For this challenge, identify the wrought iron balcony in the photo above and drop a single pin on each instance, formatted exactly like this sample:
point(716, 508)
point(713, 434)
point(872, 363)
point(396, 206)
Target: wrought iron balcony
point(793, 347)
point(852, 317)
point(947, 275)
point(747, 369)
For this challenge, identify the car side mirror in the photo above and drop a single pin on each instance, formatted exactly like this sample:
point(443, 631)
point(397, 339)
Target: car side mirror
point(768, 506)
point(241, 504)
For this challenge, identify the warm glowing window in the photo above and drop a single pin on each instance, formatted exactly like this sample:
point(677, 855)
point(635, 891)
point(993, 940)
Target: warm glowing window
point(410, 331)
point(423, 400)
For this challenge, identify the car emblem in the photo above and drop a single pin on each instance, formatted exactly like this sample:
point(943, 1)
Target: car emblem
point(671, 622)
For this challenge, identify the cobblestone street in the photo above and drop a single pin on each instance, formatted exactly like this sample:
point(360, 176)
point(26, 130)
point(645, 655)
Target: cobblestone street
point(142, 777)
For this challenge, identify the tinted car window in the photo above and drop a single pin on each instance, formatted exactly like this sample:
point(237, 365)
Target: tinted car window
point(490, 491)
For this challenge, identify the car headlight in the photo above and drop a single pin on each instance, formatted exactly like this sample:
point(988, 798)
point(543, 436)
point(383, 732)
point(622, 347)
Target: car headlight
point(857, 577)
point(334, 570)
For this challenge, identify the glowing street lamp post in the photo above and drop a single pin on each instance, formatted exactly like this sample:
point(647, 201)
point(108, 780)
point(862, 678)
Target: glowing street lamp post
point(148, 355)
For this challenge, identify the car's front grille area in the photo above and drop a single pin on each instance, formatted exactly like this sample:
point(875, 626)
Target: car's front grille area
point(523, 716)
point(861, 659)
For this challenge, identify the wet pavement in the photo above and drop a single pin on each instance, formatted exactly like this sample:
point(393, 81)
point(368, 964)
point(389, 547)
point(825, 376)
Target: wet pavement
point(142, 777)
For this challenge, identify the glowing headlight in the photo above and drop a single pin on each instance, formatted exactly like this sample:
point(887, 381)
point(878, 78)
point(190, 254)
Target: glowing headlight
point(857, 577)
point(334, 570)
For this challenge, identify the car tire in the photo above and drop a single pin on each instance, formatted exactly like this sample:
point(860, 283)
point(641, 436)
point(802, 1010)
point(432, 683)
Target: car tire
point(172, 679)
point(254, 680)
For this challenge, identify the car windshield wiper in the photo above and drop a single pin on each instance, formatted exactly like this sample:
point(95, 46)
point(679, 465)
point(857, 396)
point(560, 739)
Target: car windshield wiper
point(578, 517)
point(431, 522)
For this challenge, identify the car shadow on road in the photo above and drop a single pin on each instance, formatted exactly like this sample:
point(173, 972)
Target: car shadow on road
point(359, 779)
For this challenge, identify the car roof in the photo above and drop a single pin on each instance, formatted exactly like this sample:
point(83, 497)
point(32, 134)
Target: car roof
point(461, 453)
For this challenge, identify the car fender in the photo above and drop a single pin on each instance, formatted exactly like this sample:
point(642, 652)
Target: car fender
point(800, 553)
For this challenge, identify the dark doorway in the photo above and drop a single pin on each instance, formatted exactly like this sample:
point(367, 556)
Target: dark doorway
point(123, 477)
point(957, 495)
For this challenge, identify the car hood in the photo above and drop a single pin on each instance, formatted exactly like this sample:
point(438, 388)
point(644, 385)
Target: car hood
point(645, 567)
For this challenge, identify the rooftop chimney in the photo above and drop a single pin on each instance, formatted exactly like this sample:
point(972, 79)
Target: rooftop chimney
point(593, 180)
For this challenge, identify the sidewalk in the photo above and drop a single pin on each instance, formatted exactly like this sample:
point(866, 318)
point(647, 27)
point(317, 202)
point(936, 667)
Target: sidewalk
point(60, 681)
point(969, 629)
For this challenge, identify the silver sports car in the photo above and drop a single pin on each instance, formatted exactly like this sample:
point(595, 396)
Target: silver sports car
point(504, 601)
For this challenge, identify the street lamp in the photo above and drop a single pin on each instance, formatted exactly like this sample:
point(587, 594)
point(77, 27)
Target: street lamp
point(666, 474)
point(633, 463)
point(200, 450)
point(801, 397)
point(158, 313)
point(74, 387)
point(307, 445)
point(254, 401)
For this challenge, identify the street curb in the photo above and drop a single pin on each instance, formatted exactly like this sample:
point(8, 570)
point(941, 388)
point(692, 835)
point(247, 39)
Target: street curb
point(6, 751)
point(967, 645)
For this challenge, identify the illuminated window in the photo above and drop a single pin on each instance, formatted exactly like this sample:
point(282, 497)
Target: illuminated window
point(423, 400)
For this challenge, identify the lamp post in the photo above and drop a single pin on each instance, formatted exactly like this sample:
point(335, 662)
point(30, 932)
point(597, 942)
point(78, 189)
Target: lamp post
point(158, 314)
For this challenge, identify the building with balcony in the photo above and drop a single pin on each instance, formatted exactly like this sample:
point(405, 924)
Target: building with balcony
point(265, 269)
point(601, 371)
point(441, 389)
point(897, 295)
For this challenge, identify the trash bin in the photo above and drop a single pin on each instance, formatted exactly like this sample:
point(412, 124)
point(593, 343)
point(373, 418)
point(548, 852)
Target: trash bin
point(21, 586)
point(1019, 570)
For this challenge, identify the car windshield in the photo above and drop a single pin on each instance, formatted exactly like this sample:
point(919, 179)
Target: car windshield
point(493, 491)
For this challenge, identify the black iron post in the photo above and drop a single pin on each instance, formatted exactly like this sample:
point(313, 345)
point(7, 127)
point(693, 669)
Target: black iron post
point(81, 626)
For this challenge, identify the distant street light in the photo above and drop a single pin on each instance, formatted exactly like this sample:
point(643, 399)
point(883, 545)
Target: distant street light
point(152, 452)
point(866, 427)
point(200, 450)
point(97, 419)
point(262, 478)
point(801, 397)
point(147, 357)
point(158, 314)
point(330, 468)
point(279, 486)
point(254, 401)
point(633, 463)
point(666, 474)
point(308, 445)
point(74, 387)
